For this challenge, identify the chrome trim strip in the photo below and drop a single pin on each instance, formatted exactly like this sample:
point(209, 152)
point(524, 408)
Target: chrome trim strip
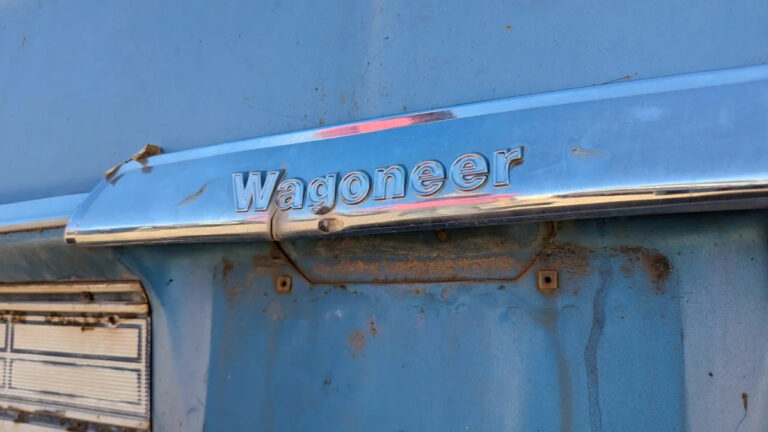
point(43, 213)
point(652, 86)
point(685, 143)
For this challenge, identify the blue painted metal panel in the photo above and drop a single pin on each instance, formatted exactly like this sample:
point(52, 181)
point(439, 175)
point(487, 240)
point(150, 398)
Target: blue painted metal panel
point(86, 84)
point(657, 325)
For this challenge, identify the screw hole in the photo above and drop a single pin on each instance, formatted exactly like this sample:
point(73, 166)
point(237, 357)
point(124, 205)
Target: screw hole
point(548, 279)
point(283, 284)
point(113, 321)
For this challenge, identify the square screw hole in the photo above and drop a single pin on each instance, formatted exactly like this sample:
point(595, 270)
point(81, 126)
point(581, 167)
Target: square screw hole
point(547, 281)
point(283, 284)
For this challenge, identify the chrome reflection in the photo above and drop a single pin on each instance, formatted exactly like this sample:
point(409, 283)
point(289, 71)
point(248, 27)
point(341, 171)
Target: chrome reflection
point(568, 154)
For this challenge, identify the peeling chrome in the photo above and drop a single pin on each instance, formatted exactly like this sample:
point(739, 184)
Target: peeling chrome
point(567, 154)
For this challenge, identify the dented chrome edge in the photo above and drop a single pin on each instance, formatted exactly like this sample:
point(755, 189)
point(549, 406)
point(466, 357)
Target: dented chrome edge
point(515, 159)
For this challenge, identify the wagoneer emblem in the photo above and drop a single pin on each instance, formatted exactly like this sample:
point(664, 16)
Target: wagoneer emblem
point(467, 173)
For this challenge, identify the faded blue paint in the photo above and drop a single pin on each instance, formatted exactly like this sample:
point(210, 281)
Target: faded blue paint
point(658, 324)
point(84, 85)
point(624, 345)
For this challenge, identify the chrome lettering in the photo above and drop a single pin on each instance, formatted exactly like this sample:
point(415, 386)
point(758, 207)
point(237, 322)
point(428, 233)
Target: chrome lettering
point(427, 178)
point(322, 194)
point(253, 190)
point(394, 176)
point(503, 160)
point(290, 194)
point(354, 187)
point(469, 172)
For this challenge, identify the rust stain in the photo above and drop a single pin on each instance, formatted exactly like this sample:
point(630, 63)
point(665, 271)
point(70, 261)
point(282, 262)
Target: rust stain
point(569, 258)
point(21, 417)
point(13, 316)
point(113, 319)
point(655, 265)
point(195, 195)
point(227, 267)
point(745, 400)
point(437, 255)
point(114, 180)
point(356, 341)
point(140, 157)
point(439, 264)
point(233, 292)
point(372, 328)
point(445, 269)
point(77, 426)
point(85, 321)
point(145, 152)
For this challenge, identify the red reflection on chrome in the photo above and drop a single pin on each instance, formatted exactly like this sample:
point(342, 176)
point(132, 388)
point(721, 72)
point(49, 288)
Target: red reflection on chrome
point(384, 124)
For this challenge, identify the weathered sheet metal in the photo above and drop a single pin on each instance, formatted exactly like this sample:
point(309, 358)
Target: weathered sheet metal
point(39, 214)
point(663, 145)
point(662, 315)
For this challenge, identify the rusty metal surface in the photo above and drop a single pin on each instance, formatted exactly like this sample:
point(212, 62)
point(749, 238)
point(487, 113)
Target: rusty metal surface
point(500, 253)
point(661, 314)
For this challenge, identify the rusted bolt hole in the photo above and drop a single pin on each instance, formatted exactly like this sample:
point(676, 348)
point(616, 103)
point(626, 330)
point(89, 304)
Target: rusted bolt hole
point(113, 320)
point(546, 281)
point(283, 284)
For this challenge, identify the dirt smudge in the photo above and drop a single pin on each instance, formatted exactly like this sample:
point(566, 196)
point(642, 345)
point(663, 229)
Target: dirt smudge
point(232, 291)
point(654, 264)
point(435, 270)
point(356, 341)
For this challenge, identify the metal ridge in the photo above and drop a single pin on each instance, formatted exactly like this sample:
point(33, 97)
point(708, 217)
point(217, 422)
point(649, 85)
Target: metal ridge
point(674, 144)
point(53, 212)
